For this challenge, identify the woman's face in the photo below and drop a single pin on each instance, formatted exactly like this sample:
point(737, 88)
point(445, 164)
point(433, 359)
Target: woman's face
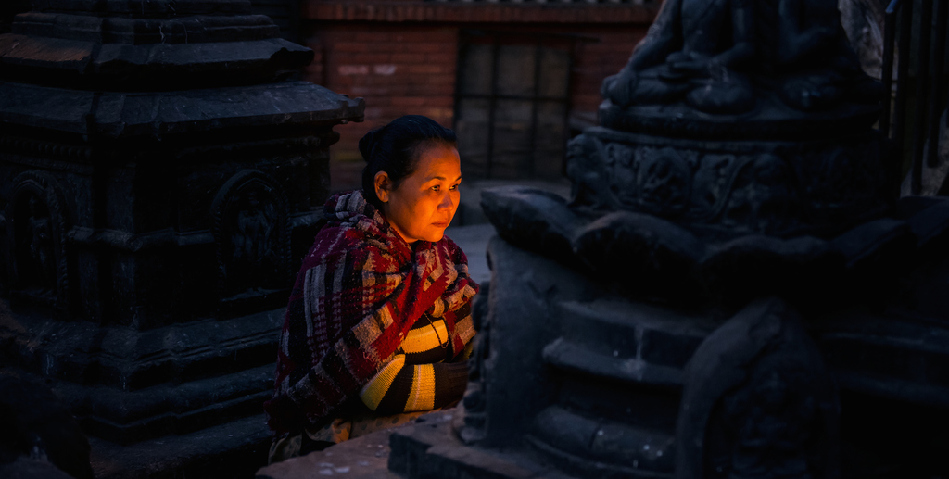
point(423, 204)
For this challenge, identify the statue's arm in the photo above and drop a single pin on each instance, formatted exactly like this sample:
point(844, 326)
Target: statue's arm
point(743, 47)
point(663, 38)
point(801, 35)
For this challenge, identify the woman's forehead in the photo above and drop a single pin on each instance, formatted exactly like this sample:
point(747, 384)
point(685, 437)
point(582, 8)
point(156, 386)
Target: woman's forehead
point(440, 161)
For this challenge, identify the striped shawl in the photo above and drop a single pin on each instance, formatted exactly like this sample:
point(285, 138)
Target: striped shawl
point(359, 291)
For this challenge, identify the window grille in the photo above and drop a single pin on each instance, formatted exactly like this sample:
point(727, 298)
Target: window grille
point(511, 105)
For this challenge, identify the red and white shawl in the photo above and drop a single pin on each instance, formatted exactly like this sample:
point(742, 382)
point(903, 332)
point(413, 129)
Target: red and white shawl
point(357, 294)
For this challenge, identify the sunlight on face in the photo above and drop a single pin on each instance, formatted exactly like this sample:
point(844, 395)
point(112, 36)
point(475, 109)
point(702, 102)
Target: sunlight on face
point(424, 203)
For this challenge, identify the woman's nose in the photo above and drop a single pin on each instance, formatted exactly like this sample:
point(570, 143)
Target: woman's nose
point(446, 202)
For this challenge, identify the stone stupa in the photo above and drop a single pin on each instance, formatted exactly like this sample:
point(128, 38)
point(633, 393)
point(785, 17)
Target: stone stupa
point(160, 177)
point(733, 290)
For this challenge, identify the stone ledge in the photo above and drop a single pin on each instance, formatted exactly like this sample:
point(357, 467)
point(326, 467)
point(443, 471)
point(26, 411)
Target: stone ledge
point(432, 450)
point(161, 114)
point(229, 450)
point(364, 457)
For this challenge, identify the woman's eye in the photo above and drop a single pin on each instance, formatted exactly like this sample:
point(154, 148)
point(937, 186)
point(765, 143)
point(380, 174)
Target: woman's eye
point(436, 188)
point(453, 187)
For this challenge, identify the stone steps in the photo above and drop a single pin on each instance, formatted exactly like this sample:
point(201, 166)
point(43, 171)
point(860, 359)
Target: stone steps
point(230, 450)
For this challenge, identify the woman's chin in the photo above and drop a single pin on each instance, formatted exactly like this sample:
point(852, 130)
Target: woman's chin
point(435, 235)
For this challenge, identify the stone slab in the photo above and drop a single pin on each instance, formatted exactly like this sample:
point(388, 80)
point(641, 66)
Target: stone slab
point(233, 450)
point(432, 450)
point(26, 468)
point(470, 211)
point(158, 114)
point(364, 457)
point(426, 448)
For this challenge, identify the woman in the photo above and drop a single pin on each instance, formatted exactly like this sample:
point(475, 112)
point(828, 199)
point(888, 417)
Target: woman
point(379, 321)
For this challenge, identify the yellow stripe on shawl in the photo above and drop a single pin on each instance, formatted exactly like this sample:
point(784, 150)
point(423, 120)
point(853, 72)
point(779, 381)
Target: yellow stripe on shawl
point(425, 338)
point(422, 394)
point(373, 392)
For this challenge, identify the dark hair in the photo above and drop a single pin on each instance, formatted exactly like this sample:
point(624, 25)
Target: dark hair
point(395, 149)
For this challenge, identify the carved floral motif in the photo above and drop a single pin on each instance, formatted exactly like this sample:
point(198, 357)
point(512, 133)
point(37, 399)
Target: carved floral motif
point(36, 224)
point(770, 187)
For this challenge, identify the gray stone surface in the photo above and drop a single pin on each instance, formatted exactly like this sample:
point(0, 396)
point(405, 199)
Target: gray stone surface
point(522, 319)
point(470, 211)
point(471, 230)
point(625, 326)
point(38, 435)
point(233, 449)
point(25, 468)
point(758, 400)
point(532, 218)
point(364, 457)
point(770, 68)
point(432, 450)
point(159, 178)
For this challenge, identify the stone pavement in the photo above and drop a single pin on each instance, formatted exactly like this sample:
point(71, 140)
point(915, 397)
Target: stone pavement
point(234, 449)
point(427, 448)
point(364, 457)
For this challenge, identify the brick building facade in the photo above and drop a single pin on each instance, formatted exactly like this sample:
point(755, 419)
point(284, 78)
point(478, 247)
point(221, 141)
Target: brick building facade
point(514, 79)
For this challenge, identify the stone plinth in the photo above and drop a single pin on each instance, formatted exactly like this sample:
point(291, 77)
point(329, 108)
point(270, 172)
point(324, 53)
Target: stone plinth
point(731, 291)
point(791, 183)
point(159, 179)
point(585, 374)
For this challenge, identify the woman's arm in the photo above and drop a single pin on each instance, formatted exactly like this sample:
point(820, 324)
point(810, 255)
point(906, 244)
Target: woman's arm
point(417, 378)
point(402, 387)
point(367, 310)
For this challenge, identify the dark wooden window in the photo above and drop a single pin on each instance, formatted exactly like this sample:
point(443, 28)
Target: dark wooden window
point(511, 105)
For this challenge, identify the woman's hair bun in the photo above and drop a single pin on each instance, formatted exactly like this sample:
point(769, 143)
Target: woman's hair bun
point(368, 143)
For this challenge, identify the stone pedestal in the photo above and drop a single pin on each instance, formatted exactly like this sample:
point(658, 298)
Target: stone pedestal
point(791, 182)
point(584, 373)
point(728, 292)
point(159, 182)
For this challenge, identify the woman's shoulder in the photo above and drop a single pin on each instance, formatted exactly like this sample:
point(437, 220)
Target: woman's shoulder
point(358, 246)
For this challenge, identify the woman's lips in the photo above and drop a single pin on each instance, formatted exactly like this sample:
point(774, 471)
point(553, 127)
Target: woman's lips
point(441, 224)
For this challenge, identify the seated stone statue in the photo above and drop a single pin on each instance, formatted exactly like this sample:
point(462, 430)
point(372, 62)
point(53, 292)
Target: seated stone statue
point(809, 54)
point(694, 51)
point(714, 54)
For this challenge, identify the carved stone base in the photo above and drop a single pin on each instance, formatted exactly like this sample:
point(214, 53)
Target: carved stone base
point(577, 373)
point(126, 385)
point(806, 185)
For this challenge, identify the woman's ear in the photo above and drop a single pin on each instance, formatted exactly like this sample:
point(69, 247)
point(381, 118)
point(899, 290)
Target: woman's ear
point(381, 184)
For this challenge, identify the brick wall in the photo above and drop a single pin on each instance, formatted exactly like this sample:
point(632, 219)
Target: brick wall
point(605, 54)
point(397, 69)
point(401, 57)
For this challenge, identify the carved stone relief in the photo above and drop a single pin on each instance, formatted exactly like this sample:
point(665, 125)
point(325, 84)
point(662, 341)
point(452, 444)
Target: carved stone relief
point(251, 230)
point(758, 402)
point(36, 224)
point(724, 57)
point(771, 187)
